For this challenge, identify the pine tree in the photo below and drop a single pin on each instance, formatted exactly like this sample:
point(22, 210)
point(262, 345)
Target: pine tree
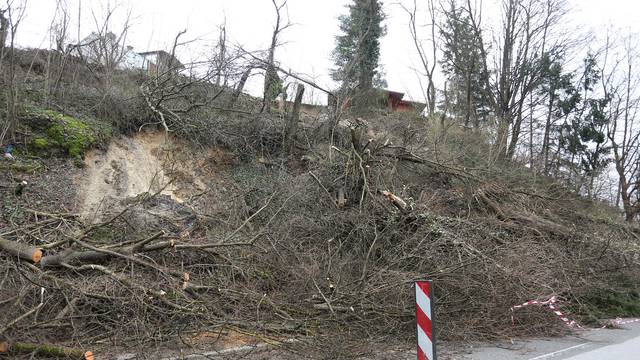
point(357, 51)
point(583, 137)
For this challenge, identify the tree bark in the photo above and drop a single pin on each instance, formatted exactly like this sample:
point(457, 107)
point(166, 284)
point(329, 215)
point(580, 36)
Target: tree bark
point(21, 250)
point(547, 131)
point(72, 257)
point(271, 74)
point(239, 87)
point(292, 124)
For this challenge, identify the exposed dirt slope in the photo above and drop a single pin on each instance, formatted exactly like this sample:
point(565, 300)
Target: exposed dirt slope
point(132, 166)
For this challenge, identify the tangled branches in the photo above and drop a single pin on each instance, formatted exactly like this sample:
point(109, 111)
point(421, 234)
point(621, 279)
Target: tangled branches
point(321, 249)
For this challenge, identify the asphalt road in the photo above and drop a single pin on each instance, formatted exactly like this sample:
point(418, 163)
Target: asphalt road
point(627, 350)
point(597, 344)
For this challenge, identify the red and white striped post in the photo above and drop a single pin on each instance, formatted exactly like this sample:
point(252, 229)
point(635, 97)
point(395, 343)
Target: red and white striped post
point(425, 320)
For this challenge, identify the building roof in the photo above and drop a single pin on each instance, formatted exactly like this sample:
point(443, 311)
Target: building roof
point(418, 106)
point(392, 93)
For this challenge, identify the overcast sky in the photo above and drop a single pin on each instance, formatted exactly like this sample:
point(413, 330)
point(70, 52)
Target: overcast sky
point(309, 42)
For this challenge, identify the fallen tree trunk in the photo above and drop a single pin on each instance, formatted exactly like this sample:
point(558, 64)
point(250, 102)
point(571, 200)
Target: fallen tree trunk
point(21, 250)
point(529, 219)
point(44, 350)
point(91, 256)
point(73, 257)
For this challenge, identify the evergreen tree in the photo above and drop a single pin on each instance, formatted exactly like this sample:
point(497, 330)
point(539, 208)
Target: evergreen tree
point(562, 97)
point(583, 137)
point(357, 51)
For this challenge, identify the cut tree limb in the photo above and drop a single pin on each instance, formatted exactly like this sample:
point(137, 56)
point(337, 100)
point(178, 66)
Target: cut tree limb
point(45, 350)
point(21, 250)
point(157, 294)
point(70, 256)
point(395, 200)
point(533, 220)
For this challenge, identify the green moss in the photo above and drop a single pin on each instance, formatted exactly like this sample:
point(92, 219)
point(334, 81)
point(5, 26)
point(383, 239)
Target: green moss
point(72, 134)
point(41, 144)
point(75, 136)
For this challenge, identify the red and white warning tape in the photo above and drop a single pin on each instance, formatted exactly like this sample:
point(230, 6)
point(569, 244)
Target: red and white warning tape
point(551, 303)
point(619, 321)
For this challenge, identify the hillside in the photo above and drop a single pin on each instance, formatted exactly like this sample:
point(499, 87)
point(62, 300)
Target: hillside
point(217, 234)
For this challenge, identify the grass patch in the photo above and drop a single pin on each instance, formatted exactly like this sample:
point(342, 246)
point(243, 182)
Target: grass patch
point(622, 301)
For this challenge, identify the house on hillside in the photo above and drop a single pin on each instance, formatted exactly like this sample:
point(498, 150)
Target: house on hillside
point(109, 50)
point(131, 60)
point(105, 50)
point(159, 61)
point(388, 99)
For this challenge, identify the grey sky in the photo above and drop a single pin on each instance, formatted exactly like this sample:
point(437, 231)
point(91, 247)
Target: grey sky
point(309, 42)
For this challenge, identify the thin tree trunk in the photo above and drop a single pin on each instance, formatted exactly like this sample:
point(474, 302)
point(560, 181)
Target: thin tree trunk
point(531, 163)
point(515, 134)
point(467, 115)
point(292, 124)
point(547, 131)
point(239, 88)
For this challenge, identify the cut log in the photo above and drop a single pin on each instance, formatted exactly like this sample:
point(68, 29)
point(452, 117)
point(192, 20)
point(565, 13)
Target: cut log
point(395, 200)
point(21, 250)
point(4, 347)
point(73, 257)
point(46, 350)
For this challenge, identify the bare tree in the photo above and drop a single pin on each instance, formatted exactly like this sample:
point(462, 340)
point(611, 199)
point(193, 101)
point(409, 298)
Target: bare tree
point(624, 127)
point(272, 82)
point(60, 27)
point(429, 60)
point(106, 45)
point(11, 16)
point(58, 33)
point(521, 43)
point(174, 97)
